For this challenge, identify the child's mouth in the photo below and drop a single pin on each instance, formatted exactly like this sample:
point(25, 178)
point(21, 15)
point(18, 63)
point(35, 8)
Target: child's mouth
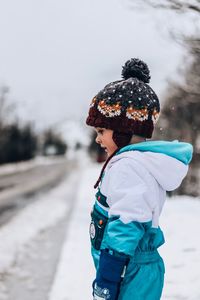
point(105, 149)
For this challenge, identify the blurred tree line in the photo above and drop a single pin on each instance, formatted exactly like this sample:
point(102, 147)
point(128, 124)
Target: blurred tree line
point(17, 143)
point(53, 143)
point(180, 116)
point(20, 142)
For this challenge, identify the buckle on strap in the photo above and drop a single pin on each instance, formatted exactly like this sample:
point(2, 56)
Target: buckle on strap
point(143, 257)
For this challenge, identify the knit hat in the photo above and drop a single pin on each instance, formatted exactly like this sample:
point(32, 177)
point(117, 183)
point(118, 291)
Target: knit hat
point(128, 106)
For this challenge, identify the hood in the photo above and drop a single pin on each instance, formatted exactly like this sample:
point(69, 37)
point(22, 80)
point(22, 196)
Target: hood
point(166, 161)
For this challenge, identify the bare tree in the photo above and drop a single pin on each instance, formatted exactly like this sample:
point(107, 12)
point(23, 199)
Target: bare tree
point(181, 109)
point(6, 107)
point(181, 6)
point(180, 115)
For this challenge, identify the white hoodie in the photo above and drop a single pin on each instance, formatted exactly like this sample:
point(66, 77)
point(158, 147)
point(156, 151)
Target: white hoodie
point(135, 184)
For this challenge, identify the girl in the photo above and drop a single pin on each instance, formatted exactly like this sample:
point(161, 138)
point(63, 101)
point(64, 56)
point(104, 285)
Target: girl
point(124, 230)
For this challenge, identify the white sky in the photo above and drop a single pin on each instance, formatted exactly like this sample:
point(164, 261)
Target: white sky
point(56, 54)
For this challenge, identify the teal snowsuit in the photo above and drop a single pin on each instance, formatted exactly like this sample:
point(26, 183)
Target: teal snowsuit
point(137, 239)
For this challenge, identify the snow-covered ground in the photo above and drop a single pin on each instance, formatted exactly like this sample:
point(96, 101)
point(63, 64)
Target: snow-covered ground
point(181, 252)
point(180, 222)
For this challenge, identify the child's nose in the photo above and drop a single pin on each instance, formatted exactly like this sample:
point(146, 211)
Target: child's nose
point(97, 140)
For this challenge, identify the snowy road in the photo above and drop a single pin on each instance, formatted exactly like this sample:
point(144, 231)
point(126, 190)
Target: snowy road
point(17, 189)
point(30, 180)
point(45, 249)
point(31, 243)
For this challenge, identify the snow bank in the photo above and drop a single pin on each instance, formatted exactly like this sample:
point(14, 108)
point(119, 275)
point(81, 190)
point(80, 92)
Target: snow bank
point(75, 269)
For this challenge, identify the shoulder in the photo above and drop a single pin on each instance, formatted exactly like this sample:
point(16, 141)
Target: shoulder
point(126, 164)
point(123, 174)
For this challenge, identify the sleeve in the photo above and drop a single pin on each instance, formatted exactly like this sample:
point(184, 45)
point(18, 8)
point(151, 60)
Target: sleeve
point(128, 207)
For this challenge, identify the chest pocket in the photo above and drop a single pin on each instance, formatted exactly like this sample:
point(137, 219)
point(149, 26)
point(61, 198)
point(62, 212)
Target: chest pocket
point(97, 228)
point(101, 199)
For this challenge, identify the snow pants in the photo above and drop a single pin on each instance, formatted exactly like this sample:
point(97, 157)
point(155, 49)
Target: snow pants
point(144, 277)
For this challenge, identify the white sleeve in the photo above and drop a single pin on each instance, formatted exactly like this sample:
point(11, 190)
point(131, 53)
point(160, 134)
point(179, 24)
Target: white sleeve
point(126, 192)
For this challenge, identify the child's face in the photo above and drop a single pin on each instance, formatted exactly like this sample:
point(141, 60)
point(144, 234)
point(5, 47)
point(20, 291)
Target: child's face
point(104, 138)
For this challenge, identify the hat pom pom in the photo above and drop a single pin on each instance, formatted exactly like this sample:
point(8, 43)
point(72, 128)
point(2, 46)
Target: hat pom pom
point(136, 68)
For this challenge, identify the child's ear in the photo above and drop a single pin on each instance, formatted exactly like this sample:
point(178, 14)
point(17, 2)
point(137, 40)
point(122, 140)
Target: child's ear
point(121, 139)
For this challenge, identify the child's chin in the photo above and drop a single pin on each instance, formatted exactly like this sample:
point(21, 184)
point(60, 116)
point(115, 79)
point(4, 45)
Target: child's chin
point(108, 153)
